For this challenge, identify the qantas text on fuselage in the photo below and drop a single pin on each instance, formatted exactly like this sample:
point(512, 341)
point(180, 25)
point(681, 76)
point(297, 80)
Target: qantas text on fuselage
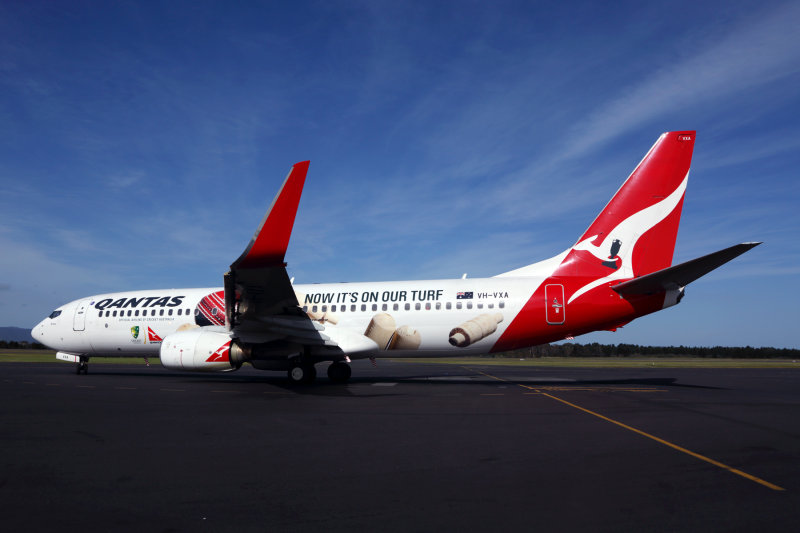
point(618, 270)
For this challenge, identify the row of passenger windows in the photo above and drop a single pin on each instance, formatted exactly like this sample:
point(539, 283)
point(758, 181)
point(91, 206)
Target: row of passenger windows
point(396, 307)
point(153, 312)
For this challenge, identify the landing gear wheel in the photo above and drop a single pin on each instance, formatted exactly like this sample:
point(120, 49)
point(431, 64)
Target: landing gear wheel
point(339, 372)
point(302, 374)
point(82, 367)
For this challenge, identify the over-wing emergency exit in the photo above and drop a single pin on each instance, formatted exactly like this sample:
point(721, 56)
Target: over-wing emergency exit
point(618, 270)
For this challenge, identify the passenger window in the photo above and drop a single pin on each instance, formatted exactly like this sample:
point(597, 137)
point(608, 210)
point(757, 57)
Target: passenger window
point(449, 305)
point(491, 306)
point(480, 306)
point(314, 309)
point(180, 312)
point(130, 312)
point(161, 312)
point(333, 309)
point(374, 307)
point(427, 306)
point(501, 305)
point(396, 307)
point(324, 308)
point(408, 307)
point(136, 313)
point(305, 309)
point(99, 314)
point(353, 308)
point(384, 307)
point(469, 305)
point(114, 313)
point(458, 305)
point(363, 307)
point(438, 305)
point(170, 311)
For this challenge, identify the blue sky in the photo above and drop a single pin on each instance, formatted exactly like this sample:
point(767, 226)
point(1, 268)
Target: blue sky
point(141, 144)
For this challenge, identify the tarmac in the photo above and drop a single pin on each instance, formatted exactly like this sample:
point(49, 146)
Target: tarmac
point(404, 447)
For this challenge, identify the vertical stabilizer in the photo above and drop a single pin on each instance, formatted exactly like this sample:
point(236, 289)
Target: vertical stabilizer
point(638, 228)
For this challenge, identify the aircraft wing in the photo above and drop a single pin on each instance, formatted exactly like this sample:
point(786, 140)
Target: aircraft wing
point(678, 276)
point(260, 303)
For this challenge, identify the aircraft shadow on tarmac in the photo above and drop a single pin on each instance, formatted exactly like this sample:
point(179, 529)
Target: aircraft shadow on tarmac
point(323, 386)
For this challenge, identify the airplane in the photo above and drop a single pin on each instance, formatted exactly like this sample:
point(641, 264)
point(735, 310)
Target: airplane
point(618, 270)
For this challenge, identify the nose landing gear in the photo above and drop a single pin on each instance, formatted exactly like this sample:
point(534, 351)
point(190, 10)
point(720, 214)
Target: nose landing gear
point(82, 367)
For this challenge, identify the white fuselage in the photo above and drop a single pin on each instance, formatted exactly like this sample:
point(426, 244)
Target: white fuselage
point(133, 324)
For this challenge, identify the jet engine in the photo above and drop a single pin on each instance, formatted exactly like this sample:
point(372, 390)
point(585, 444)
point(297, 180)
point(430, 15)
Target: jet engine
point(200, 349)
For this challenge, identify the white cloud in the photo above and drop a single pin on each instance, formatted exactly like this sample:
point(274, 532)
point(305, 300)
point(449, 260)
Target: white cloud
point(755, 53)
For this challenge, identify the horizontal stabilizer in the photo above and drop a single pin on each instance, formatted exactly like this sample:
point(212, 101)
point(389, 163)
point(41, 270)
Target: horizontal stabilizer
point(681, 275)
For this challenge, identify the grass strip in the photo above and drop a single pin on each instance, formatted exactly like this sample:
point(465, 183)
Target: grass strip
point(49, 356)
point(613, 362)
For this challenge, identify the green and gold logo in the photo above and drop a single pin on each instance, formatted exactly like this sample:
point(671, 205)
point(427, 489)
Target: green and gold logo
point(135, 332)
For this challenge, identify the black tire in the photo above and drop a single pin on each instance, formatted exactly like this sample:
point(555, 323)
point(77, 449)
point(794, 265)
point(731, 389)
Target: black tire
point(339, 372)
point(302, 374)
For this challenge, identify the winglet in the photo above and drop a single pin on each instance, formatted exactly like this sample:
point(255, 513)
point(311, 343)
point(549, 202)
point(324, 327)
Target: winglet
point(268, 245)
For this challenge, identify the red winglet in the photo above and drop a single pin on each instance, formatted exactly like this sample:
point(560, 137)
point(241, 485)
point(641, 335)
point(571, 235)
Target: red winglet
point(268, 246)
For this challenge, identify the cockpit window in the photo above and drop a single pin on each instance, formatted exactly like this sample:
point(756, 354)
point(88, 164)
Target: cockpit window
point(54, 314)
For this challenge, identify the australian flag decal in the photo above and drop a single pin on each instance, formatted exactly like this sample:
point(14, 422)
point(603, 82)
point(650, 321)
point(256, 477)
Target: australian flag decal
point(464, 295)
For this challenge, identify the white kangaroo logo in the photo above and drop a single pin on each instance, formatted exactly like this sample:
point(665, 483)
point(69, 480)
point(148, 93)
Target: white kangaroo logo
point(628, 231)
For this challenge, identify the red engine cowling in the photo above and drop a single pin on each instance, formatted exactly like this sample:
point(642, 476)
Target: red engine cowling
point(197, 349)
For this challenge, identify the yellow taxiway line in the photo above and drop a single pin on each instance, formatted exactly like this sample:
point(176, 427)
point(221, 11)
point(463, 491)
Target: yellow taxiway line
point(644, 434)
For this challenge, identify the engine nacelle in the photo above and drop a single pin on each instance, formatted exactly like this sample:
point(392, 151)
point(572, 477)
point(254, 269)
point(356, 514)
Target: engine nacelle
point(198, 349)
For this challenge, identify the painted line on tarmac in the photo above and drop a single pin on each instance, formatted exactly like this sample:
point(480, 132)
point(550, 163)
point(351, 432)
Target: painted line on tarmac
point(649, 436)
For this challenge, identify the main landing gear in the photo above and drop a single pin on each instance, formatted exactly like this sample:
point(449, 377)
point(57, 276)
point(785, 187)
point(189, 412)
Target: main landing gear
point(82, 367)
point(305, 373)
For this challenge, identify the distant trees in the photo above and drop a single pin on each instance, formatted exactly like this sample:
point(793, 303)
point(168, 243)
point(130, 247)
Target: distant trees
point(633, 350)
point(22, 345)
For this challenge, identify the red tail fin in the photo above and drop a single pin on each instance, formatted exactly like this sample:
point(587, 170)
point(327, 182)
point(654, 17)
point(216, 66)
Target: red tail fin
point(640, 223)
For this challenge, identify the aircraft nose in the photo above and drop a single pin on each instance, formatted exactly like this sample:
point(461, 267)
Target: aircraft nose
point(39, 332)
